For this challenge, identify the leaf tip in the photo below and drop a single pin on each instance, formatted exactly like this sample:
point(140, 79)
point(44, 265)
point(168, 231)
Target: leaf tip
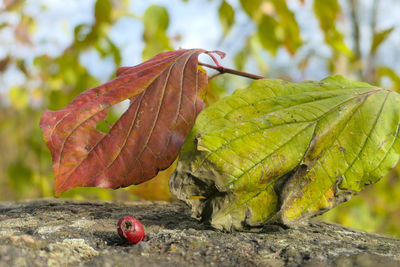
point(219, 53)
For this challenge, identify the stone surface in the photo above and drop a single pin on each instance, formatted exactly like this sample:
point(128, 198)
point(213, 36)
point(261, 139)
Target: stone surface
point(71, 233)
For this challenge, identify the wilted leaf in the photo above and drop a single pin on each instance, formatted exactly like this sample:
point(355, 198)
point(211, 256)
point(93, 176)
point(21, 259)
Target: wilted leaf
point(226, 16)
point(164, 102)
point(283, 152)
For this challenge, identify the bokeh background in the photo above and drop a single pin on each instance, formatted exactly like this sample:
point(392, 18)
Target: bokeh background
point(51, 50)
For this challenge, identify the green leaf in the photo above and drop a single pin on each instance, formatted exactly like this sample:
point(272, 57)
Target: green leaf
point(226, 16)
point(268, 34)
point(156, 18)
point(252, 8)
point(279, 27)
point(102, 11)
point(327, 11)
point(18, 97)
point(283, 152)
point(4, 25)
point(289, 24)
point(114, 50)
point(242, 57)
point(256, 48)
point(379, 38)
point(106, 47)
point(20, 177)
point(155, 21)
point(392, 75)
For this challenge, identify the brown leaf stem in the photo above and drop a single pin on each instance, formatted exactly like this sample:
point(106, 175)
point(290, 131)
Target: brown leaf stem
point(222, 70)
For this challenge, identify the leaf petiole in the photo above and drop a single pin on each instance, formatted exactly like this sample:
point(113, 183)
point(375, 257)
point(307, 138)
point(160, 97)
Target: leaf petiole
point(223, 70)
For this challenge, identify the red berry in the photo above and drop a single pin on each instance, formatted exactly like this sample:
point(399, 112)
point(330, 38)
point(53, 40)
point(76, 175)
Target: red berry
point(131, 230)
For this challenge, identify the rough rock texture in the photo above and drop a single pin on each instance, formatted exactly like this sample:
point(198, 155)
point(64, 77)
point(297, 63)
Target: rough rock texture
point(64, 232)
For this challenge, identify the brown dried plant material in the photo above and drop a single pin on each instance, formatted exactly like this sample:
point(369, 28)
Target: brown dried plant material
point(164, 94)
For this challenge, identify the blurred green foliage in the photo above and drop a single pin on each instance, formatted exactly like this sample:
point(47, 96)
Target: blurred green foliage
point(226, 16)
point(51, 81)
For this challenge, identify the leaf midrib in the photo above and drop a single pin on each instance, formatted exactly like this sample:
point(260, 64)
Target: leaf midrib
point(80, 163)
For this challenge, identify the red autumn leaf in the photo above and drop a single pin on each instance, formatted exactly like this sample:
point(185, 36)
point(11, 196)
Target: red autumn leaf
point(164, 94)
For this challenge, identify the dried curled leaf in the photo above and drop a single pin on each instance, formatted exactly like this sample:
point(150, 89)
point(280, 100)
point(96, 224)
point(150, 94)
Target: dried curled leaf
point(164, 94)
point(283, 152)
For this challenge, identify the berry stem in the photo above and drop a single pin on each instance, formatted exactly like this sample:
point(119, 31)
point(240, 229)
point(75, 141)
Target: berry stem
point(222, 70)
